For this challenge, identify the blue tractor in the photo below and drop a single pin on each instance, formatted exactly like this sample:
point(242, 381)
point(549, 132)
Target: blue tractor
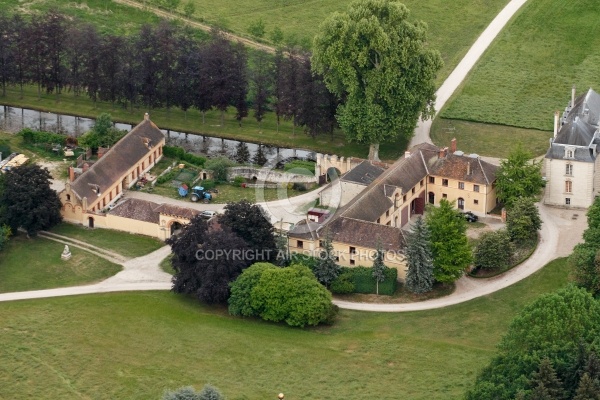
point(198, 193)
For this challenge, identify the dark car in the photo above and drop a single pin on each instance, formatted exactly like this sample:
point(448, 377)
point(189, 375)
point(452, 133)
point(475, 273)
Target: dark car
point(470, 217)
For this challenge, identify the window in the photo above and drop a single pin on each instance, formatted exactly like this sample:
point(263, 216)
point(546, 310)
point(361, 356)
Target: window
point(461, 185)
point(475, 201)
point(422, 183)
point(476, 188)
point(378, 220)
point(396, 201)
point(568, 186)
point(413, 190)
point(300, 244)
point(432, 179)
point(337, 259)
point(568, 201)
point(68, 197)
point(569, 154)
point(389, 223)
point(387, 213)
point(569, 169)
point(444, 196)
point(352, 262)
point(404, 198)
point(444, 182)
point(352, 250)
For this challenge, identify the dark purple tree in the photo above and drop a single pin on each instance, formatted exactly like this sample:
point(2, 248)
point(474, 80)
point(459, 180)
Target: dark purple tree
point(186, 71)
point(111, 54)
point(261, 79)
point(165, 49)
point(145, 52)
point(7, 49)
point(55, 34)
point(239, 82)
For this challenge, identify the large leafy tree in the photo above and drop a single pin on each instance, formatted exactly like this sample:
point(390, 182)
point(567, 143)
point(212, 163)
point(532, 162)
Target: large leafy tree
point(28, 201)
point(419, 257)
point(585, 259)
point(205, 262)
point(561, 327)
point(494, 250)
point(523, 220)
point(377, 60)
point(449, 243)
point(248, 221)
point(518, 176)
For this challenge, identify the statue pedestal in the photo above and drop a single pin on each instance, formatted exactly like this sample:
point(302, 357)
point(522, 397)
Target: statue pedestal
point(66, 254)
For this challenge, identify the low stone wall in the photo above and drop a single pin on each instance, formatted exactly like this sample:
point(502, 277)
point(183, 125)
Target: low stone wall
point(269, 175)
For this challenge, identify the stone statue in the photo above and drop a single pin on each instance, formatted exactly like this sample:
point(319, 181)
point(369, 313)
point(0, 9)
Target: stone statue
point(66, 254)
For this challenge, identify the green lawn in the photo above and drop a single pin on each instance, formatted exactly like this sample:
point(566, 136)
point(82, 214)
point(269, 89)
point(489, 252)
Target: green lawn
point(33, 264)
point(528, 72)
point(126, 244)
point(136, 345)
point(488, 139)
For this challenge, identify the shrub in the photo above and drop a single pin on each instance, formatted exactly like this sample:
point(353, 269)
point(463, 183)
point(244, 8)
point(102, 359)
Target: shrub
point(238, 180)
point(169, 176)
point(219, 168)
point(240, 300)
point(300, 187)
point(34, 137)
point(343, 284)
point(194, 159)
point(303, 259)
point(5, 149)
point(208, 184)
point(494, 250)
point(173, 152)
point(308, 167)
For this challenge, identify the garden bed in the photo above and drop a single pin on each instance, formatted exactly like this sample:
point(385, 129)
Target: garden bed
point(522, 254)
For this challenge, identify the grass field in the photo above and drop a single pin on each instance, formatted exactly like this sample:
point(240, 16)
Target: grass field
point(123, 243)
point(528, 71)
point(136, 345)
point(33, 264)
point(488, 139)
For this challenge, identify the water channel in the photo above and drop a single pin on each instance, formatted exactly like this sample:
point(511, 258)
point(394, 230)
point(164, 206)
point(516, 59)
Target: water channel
point(13, 119)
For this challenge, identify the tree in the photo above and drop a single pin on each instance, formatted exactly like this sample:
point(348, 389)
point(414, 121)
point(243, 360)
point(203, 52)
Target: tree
point(242, 154)
point(257, 28)
point(523, 220)
point(326, 270)
point(379, 267)
point(290, 294)
point(189, 9)
point(555, 326)
point(261, 77)
point(449, 243)
point(377, 60)
point(249, 222)
point(8, 46)
point(585, 260)
point(494, 250)
point(589, 389)
point(545, 384)
point(5, 234)
point(205, 262)
point(219, 166)
point(419, 257)
point(28, 201)
point(277, 35)
point(518, 176)
point(259, 158)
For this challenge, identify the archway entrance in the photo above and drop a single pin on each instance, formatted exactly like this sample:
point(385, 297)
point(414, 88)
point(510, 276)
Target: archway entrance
point(333, 174)
point(176, 228)
point(90, 222)
point(461, 203)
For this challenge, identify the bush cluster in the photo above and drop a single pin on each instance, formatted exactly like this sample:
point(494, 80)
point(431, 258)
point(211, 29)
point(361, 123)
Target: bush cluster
point(303, 165)
point(291, 294)
point(169, 176)
point(180, 154)
point(34, 137)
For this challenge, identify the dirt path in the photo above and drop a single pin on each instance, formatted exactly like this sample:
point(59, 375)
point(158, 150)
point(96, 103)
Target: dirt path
point(100, 252)
point(195, 24)
point(463, 68)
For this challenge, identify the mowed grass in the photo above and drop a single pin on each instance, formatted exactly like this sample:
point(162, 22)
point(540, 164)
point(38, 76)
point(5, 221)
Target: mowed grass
point(33, 264)
point(136, 345)
point(528, 71)
point(123, 243)
point(453, 25)
point(488, 139)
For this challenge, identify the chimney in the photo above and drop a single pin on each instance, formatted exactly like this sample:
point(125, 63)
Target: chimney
point(468, 168)
point(406, 154)
point(101, 151)
point(556, 119)
point(86, 166)
point(573, 97)
point(442, 153)
point(71, 174)
point(147, 117)
point(453, 145)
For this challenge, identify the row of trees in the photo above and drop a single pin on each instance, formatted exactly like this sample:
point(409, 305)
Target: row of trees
point(162, 66)
point(585, 259)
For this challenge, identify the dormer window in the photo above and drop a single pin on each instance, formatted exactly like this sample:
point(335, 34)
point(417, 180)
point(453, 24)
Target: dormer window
point(569, 153)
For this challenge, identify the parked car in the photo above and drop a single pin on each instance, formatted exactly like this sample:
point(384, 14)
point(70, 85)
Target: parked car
point(208, 214)
point(470, 217)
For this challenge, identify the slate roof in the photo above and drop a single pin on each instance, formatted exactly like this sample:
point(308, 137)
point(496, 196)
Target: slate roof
point(457, 167)
point(169, 209)
point(576, 133)
point(366, 234)
point(587, 108)
point(117, 161)
point(140, 210)
point(364, 173)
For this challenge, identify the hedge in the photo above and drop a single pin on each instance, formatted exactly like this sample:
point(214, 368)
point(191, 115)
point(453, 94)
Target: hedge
point(33, 137)
point(365, 283)
point(180, 154)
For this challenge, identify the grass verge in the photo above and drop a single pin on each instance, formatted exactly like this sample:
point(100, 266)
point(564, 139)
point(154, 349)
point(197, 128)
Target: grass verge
point(126, 244)
point(136, 345)
point(528, 71)
point(35, 264)
point(488, 139)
